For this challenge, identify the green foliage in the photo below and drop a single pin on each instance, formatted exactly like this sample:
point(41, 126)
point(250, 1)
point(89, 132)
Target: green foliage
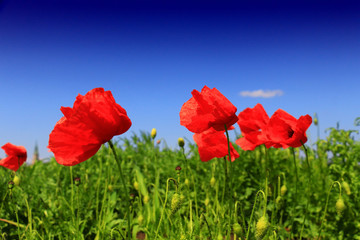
point(47, 204)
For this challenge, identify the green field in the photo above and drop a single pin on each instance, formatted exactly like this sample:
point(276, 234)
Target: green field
point(192, 203)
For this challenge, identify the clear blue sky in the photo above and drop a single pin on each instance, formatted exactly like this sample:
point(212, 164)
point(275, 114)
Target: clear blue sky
point(152, 54)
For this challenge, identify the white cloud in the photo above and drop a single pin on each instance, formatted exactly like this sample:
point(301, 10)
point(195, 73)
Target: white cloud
point(261, 93)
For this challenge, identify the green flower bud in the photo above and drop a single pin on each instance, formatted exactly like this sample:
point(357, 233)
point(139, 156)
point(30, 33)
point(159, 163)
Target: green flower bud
point(181, 142)
point(340, 206)
point(212, 182)
point(261, 228)
point(283, 190)
point(176, 202)
point(16, 180)
point(237, 229)
point(153, 133)
point(346, 187)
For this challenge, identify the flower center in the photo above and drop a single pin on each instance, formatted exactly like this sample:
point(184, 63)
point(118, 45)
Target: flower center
point(290, 132)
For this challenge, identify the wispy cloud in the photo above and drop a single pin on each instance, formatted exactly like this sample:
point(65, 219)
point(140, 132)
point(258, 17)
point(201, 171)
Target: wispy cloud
point(261, 93)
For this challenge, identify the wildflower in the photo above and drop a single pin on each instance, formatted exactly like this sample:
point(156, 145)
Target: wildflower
point(252, 121)
point(93, 120)
point(284, 130)
point(212, 144)
point(206, 109)
point(16, 156)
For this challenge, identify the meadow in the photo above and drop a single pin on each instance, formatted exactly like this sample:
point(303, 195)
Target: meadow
point(310, 192)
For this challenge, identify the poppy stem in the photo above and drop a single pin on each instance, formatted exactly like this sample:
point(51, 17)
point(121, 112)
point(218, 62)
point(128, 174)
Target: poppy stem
point(125, 189)
point(230, 176)
point(296, 195)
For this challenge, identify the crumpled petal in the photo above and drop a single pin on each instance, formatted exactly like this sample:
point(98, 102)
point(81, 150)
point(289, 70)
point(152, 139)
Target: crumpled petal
point(16, 156)
point(94, 119)
point(213, 144)
point(206, 109)
point(286, 131)
point(252, 121)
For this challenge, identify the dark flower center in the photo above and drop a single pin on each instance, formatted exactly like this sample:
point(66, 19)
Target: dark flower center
point(290, 132)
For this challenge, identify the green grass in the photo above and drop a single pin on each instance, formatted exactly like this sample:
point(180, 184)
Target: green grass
point(49, 205)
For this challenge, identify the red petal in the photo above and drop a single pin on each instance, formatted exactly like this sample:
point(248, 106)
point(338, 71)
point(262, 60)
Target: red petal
point(16, 156)
point(207, 109)
point(213, 144)
point(94, 119)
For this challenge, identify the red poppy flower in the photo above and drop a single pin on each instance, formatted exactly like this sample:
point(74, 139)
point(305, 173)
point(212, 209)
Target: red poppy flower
point(284, 130)
point(251, 122)
point(16, 156)
point(213, 144)
point(206, 109)
point(93, 120)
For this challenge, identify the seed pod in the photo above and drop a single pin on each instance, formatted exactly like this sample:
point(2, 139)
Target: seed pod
point(181, 142)
point(237, 229)
point(340, 206)
point(346, 187)
point(16, 180)
point(153, 133)
point(283, 190)
point(212, 182)
point(176, 202)
point(261, 228)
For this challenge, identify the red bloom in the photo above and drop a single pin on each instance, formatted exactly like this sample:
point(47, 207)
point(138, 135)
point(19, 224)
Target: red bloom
point(206, 109)
point(283, 130)
point(212, 144)
point(93, 120)
point(251, 122)
point(16, 156)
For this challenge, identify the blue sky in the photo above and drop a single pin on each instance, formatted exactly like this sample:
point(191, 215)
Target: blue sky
point(152, 54)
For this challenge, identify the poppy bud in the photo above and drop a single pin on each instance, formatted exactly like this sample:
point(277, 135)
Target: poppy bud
point(237, 228)
point(212, 182)
point(207, 201)
point(261, 228)
point(110, 188)
point(77, 181)
point(11, 185)
point(186, 181)
point(158, 142)
point(340, 206)
point(146, 199)
point(176, 202)
point(220, 237)
point(346, 187)
point(178, 168)
point(283, 190)
point(16, 180)
point(136, 185)
point(181, 142)
point(316, 121)
point(140, 219)
point(153, 133)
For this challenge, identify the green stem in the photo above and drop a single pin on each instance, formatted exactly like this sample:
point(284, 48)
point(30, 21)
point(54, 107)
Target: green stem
point(326, 205)
point(127, 198)
point(296, 195)
point(164, 206)
point(309, 190)
point(230, 180)
point(252, 212)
